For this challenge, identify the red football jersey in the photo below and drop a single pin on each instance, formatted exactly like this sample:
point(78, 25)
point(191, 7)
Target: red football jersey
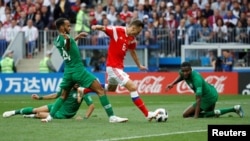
point(120, 42)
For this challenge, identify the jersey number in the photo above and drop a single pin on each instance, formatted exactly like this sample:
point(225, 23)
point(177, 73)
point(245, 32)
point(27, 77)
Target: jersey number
point(65, 55)
point(123, 47)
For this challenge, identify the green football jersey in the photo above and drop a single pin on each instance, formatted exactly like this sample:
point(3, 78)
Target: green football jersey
point(71, 57)
point(200, 87)
point(71, 106)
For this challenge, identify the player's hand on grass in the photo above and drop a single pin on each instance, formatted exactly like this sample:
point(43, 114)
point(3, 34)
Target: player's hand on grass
point(35, 96)
point(79, 118)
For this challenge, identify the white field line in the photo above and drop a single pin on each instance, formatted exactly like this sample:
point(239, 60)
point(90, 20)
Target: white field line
point(152, 135)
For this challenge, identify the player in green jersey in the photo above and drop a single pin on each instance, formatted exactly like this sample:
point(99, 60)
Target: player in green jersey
point(206, 95)
point(75, 72)
point(67, 110)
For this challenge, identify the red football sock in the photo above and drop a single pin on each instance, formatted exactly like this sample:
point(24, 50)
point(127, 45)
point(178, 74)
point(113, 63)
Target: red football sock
point(140, 104)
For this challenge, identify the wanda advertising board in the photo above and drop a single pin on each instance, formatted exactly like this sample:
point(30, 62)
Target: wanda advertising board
point(147, 83)
point(155, 83)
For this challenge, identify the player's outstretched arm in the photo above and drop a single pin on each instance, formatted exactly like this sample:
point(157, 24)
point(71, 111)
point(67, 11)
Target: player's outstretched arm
point(171, 85)
point(136, 60)
point(46, 97)
point(87, 98)
point(90, 110)
point(198, 105)
point(81, 35)
point(98, 27)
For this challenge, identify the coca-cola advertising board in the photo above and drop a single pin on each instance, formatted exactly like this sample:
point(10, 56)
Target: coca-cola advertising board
point(156, 82)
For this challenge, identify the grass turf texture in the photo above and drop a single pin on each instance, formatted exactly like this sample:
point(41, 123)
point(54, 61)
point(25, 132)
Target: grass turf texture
point(97, 127)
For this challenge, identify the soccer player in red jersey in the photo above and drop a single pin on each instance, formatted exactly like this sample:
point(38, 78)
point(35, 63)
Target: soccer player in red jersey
point(123, 39)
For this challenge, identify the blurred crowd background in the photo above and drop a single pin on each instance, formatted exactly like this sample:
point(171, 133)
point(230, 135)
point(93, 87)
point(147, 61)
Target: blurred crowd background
point(168, 23)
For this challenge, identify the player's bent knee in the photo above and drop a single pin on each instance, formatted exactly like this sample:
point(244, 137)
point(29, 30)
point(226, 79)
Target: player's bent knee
point(132, 88)
point(35, 111)
point(38, 115)
point(100, 91)
point(112, 88)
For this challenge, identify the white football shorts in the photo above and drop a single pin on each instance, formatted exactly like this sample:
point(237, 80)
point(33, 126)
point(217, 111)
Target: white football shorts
point(117, 76)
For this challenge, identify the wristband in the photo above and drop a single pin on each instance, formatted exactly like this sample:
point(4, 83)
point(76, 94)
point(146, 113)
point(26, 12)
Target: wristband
point(40, 98)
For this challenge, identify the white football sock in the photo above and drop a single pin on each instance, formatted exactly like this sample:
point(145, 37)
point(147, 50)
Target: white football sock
point(134, 94)
point(106, 87)
point(29, 116)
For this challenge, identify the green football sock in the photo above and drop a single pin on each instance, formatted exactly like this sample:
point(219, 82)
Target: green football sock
point(202, 114)
point(25, 111)
point(222, 112)
point(56, 106)
point(106, 105)
point(226, 110)
point(209, 114)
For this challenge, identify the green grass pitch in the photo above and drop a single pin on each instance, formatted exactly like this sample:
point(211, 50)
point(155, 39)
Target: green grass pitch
point(97, 128)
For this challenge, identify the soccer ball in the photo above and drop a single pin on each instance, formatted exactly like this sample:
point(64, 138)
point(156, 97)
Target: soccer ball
point(162, 116)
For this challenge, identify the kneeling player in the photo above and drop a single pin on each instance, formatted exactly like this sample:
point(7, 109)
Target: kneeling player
point(206, 95)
